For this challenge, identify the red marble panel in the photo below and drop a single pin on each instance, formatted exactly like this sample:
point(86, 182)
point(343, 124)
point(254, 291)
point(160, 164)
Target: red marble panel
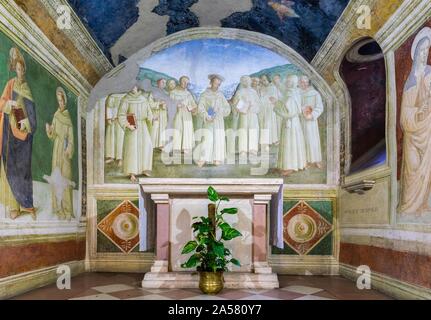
point(405, 266)
point(27, 257)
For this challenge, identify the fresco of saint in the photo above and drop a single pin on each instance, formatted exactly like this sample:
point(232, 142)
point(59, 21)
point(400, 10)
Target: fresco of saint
point(17, 128)
point(61, 133)
point(292, 154)
point(213, 107)
point(415, 123)
point(135, 116)
point(312, 109)
point(184, 139)
point(160, 113)
point(269, 129)
point(114, 134)
point(247, 103)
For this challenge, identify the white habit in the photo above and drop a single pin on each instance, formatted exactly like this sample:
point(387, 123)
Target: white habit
point(138, 147)
point(292, 154)
point(312, 98)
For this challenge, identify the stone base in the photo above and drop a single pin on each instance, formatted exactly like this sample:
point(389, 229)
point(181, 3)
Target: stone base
point(190, 280)
point(160, 266)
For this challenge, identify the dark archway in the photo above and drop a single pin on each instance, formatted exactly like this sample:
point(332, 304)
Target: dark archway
point(363, 70)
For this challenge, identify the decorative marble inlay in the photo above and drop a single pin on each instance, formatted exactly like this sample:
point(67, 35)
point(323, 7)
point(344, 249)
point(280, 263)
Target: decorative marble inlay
point(304, 228)
point(121, 226)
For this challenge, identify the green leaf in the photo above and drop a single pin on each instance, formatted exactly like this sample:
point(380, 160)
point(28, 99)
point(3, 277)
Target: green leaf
point(192, 262)
point(223, 198)
point(227, 252)
point(230, 234)
point(224, 226)
point(204, 228)
point(212, 194)
point(195, 226)
point(189, 247)
point(235, 262)
point(219, 249)
point(229, 211)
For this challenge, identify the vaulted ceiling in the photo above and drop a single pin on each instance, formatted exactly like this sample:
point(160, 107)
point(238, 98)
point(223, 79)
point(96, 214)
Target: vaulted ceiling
point(123, 27)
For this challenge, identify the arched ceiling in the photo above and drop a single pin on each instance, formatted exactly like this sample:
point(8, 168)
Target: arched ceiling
point(123, 27)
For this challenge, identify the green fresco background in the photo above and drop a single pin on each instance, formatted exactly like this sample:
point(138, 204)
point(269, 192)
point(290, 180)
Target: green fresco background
point(324, 247)
point(43, 87)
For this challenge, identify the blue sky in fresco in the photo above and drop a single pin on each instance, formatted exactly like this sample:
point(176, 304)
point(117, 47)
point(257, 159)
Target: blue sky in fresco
point(199, 58)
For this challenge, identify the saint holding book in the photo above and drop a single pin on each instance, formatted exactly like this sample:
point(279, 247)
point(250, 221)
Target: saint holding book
point(213, 107)
point(135, 116)
point(17, 128)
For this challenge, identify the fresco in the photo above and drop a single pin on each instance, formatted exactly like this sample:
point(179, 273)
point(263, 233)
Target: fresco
point(39, 175)
point(230, 109)
point(301, 24)
point(413, 131)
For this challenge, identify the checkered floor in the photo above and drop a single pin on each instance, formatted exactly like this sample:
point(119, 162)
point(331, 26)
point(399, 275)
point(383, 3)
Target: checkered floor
point(105, 286)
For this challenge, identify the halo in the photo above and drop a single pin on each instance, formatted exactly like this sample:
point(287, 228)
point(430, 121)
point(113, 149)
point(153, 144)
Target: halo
point(424, 33)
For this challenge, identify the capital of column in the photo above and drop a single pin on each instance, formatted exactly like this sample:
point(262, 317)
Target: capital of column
point(262, 198)
point(160, 198)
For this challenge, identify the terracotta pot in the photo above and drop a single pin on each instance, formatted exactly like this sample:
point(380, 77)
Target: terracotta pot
point(211, 282)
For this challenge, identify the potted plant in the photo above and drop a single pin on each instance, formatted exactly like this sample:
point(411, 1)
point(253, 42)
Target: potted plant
point(210, 256)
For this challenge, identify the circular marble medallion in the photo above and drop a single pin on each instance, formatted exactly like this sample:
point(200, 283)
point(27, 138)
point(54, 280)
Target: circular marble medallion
point(301, 228)
point(126, 226)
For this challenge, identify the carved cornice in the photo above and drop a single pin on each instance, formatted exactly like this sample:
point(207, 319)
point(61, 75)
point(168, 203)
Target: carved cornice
point(80, 37)
point(22, 30)
point(409, 17)
point(334, 44)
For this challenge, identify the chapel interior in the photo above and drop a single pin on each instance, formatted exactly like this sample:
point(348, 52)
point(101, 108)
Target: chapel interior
point(306, 122)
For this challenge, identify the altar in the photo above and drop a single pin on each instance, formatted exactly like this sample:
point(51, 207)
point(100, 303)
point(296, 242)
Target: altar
point(177, 201)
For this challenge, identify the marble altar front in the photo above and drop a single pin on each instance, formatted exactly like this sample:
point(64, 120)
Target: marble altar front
point(176, 202)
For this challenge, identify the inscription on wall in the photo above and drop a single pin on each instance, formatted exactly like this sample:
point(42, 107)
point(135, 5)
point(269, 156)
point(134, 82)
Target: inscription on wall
point(369, 208)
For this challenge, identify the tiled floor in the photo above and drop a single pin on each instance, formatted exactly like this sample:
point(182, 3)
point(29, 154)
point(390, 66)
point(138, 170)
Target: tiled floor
point(120, 286)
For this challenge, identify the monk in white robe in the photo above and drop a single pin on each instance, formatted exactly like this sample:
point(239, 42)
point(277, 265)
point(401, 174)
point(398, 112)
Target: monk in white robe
point(135, 118)
point(183, 120)
point(114, 133)
point(213, 107)
point(247, 104)
point(292, 155)
point(61, 133)
point(160, 115)
point(415, 123)
point(269, 130)
point(278, 87)
point(312, 109)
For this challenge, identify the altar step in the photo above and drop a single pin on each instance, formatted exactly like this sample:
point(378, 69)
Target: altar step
point(190, 280)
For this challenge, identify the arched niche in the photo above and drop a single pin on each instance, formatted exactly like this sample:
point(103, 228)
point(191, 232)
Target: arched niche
point(363, 71)
point(124, 76)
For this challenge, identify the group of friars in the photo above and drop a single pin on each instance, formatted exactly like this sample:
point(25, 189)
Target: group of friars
point(261, 113)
